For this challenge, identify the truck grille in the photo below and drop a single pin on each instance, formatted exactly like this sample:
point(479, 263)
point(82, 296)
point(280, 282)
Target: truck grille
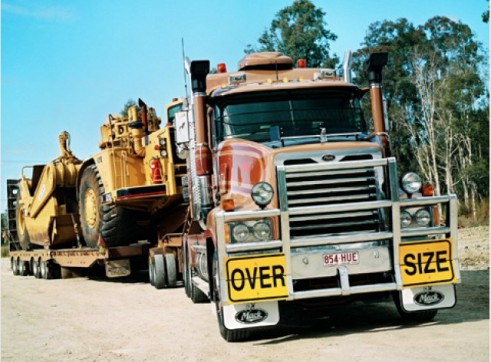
point(315, 186)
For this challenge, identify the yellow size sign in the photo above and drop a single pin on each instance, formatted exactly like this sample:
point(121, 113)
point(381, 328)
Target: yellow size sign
point(256, 278)
point(426, 262)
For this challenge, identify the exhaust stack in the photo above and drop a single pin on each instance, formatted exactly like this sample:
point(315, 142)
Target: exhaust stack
point(347, 66)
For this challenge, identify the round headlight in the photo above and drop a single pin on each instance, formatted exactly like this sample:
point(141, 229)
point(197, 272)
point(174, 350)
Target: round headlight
point(406, 219)
point(423, 217)
point(262, 194)
point(262, 230)
point(240, 232)
point(411, 183)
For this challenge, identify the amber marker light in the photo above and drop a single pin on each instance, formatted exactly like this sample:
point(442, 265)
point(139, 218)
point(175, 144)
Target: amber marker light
point(428, 190)
point(228, 204)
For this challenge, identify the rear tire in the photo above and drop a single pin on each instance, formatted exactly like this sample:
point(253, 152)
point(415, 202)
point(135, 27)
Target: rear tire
point(151, 272)
point(160, 271)
point(185, 274)
point(23, 268)
point(14, 265)
point(171, 270)
point(36, 270)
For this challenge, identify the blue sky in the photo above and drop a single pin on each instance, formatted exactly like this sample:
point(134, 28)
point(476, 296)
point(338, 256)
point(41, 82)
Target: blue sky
point(66, 64)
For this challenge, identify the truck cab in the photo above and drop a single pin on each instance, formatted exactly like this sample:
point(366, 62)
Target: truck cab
point(299, 199)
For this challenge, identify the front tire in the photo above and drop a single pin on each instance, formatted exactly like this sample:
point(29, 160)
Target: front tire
point(192, 291)
point(413, 317)
point(230, 335)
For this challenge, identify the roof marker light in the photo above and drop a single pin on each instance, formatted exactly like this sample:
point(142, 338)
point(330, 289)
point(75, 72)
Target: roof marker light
point(222, 68)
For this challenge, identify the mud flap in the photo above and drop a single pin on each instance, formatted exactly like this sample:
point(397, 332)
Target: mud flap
point(427, 298)
point(118, 268)
point(251, 315)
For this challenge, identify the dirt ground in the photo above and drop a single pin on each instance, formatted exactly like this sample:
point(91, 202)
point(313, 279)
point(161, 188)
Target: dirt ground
point(101, 320)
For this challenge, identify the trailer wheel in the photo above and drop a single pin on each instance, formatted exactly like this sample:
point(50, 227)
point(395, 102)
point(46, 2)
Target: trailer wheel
point(151, 271)
point(23, 267)
point(171, 270)
point(14, 265)
point(160, 272)
point(36, 269)
point(46, 270)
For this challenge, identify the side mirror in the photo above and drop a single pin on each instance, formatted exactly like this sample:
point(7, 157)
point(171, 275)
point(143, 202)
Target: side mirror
point(182, 134)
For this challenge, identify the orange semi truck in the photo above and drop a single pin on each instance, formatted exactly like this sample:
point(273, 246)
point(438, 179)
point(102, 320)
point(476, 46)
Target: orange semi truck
point(295, 198)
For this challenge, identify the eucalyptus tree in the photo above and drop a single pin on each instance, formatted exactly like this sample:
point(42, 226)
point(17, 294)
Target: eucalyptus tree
point(435, 85)
point(300, 32)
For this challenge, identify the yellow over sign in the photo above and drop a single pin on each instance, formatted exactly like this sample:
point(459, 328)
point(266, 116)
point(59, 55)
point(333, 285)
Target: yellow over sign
point(426, 262)
point(254, 278)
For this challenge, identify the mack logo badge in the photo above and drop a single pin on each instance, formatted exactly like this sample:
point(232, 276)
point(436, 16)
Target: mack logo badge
point(251, 316)
point(328, 158)
point(428, 297)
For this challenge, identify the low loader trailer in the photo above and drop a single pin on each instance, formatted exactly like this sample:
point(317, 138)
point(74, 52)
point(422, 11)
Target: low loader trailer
point(46, 263)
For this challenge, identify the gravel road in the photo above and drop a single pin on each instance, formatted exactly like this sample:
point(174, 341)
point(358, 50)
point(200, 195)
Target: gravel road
point(86, 319)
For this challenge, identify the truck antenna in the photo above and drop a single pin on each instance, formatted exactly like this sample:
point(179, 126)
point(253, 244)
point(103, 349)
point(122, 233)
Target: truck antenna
point(187, 71)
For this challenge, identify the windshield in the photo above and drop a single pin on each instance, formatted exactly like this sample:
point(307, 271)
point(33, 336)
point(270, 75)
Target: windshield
point(292, 113)
point(171, 113)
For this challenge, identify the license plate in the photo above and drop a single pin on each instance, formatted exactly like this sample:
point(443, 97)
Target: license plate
point(336, 259)
point(256, 278)
point(426, 262)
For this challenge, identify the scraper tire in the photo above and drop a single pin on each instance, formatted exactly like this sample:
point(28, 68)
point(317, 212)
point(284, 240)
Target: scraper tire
point(117, 225)
point(22, 232)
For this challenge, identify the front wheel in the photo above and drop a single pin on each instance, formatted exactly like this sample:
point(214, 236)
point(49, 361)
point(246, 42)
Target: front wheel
point(192, 291)
point(413, 317)
point(230, 335)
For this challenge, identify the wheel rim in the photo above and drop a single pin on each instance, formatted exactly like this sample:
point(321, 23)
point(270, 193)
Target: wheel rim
point(90, 208)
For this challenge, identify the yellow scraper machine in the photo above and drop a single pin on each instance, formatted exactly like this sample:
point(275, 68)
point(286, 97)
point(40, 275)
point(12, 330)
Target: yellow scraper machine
point(108, 209)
